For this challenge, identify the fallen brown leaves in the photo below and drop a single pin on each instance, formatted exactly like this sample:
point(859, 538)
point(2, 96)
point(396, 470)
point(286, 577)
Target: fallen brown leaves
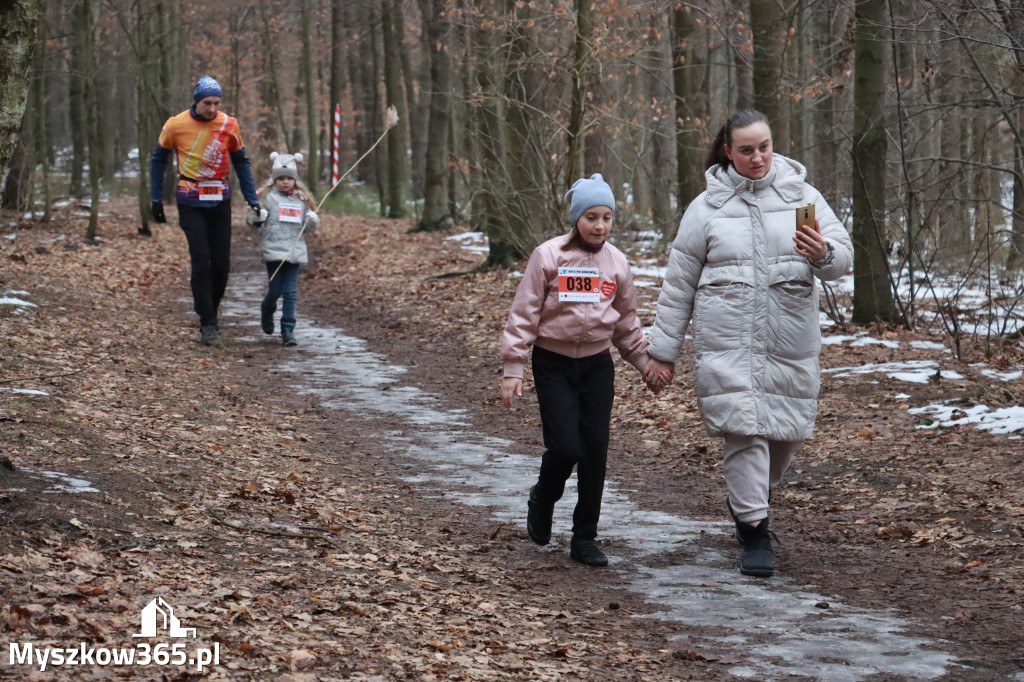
point(263, 521)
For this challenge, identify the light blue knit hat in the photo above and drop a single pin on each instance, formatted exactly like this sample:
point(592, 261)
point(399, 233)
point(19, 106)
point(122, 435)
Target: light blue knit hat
point(586, 193)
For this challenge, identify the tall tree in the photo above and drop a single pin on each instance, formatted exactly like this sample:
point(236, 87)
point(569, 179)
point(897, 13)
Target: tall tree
point(489, 214)
point(144, 85)
point(1013, 21)
point(527, 222)
point(397, 142)
point(872, 295)
point(312, 112)
point(437, 27)
point(18, 21)
point(690, 106)
point(91, 119)
point(662, 132)
point(270, 56)
point(339, 78)
point(578, 94)
point(768, 26)
point(42, 107)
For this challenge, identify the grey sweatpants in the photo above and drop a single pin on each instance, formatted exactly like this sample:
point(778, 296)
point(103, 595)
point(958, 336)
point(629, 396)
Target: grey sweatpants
point(753, 465)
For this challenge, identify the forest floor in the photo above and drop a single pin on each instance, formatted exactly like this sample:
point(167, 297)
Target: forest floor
point(139, 464)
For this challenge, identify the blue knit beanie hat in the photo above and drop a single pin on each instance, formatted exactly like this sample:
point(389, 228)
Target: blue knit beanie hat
point(587, 193)
point(206, 87)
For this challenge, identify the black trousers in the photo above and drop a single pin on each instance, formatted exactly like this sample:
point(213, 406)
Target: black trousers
point(575, 396)
point(208, 231)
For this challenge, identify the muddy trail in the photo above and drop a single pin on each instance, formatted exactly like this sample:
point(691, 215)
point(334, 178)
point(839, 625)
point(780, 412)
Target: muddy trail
point(352, 508)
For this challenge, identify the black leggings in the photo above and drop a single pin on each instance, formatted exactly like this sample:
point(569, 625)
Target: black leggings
point(208, 231)
point(575, 396)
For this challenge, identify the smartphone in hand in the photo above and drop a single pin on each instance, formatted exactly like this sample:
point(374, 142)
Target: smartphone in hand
point(805, 218)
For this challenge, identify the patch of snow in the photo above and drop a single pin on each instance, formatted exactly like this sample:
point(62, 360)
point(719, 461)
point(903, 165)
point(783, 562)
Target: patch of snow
point(914, 371)
point(1012, 375)
point(1001, 421)
point(64, 482)
point(26, 391)
point(7, 300)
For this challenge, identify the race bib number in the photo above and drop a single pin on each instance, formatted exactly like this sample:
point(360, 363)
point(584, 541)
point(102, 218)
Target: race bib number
point(290, 213)
point(211, 190)
point(579, 285)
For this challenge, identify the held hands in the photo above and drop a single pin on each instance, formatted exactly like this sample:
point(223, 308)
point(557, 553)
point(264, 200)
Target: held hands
point(257, 216)
point(510, 386)
point(658, 374)
point(809, 243)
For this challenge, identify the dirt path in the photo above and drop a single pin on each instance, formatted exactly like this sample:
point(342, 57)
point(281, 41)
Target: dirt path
point(353, 573)
point(393, 579)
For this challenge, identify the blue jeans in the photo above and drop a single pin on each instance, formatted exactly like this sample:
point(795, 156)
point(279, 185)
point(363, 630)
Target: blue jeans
point(285, 284)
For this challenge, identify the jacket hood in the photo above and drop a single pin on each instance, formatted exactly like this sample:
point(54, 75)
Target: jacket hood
point(786, 177)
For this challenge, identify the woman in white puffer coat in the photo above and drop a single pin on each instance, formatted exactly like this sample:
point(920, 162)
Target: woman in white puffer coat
point(743, 274)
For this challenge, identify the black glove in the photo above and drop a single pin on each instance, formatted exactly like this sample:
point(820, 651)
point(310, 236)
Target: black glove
point(158, 212)
point(255, 208)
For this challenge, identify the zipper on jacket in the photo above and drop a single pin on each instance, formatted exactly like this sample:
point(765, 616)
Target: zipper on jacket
point(586, 314)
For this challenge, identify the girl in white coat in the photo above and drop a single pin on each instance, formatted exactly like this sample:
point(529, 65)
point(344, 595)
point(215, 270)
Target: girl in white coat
point(286, 215)
point(743, 274)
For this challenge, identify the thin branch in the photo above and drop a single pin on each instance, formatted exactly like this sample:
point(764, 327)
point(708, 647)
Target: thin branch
point(54, 376)
point(279, 533)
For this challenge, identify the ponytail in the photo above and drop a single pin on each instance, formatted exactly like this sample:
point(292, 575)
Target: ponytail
point(739, 119)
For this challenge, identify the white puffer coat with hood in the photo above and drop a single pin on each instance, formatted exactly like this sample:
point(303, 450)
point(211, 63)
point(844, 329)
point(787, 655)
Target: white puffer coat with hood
point(733, 273)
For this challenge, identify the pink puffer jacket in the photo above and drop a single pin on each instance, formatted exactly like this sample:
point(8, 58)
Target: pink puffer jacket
point(605, 316)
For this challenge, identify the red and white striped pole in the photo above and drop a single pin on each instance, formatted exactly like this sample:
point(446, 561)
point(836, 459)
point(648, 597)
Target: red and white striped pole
point(335, 153)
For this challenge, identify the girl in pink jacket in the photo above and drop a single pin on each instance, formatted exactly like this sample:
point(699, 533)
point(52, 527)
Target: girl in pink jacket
point(576, 300)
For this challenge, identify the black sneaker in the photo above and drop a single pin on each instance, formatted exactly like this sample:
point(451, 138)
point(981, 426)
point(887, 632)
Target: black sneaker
point(758, 558)
point(538, 519)
point(587, 552)
point(209, 335)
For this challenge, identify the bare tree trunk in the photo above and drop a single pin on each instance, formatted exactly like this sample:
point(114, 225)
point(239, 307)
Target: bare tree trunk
point(170, 46)
point(796, 59)
point(270, 57)
point(768, 26)
point(42, 118)
point(312, 113)
point(662, 131)
point(872, 296)
point(415, 117)
point(76, 106)
point(18, 21)
point(744, 65)
point(488, 208)
point(339, 78)
point(580, 76)
point(527, 221)
point(144, 129)
point(690, 108)
point(1015, 257)
point(397, 142)
point(16, 190)
point(377, 111)
point(437, 27)
point(1014, 23)
point(92, 124)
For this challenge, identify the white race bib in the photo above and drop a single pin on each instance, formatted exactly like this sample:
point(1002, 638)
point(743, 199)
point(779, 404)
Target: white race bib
point(211, 190)
point(579, 285)
point(289, 212)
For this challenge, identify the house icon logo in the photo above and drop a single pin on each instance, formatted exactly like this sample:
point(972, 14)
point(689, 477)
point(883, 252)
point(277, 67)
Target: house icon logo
point(158, 615)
